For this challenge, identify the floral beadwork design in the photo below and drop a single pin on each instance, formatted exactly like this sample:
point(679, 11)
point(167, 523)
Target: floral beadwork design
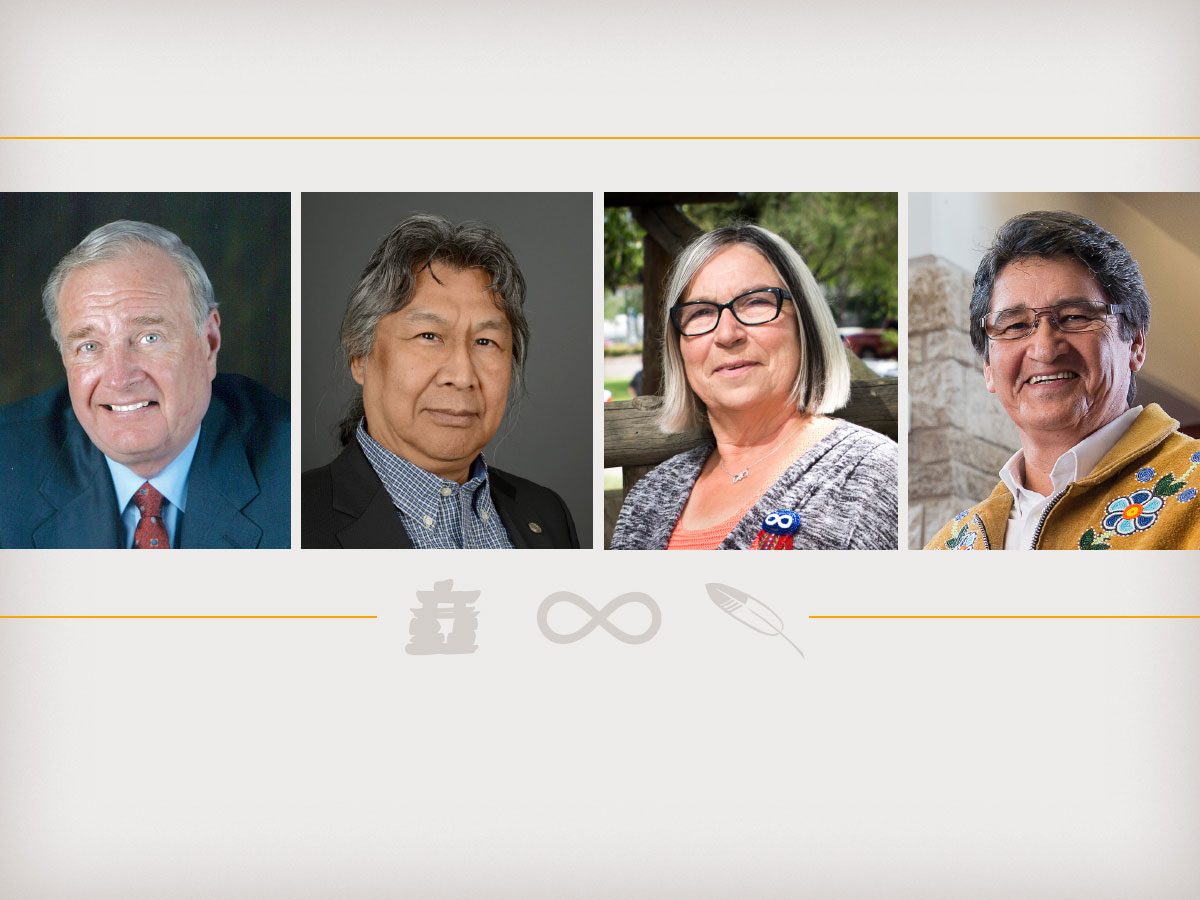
point(1137, 512)
point(1140, 509)
point(964, 539)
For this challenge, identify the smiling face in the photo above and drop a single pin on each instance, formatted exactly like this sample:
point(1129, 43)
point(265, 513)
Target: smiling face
point(739, 368)
point(436, 381)
point(1059, 388)
point(139, 375)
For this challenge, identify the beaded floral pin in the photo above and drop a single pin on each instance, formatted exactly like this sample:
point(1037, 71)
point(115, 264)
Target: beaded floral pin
point(778, 530)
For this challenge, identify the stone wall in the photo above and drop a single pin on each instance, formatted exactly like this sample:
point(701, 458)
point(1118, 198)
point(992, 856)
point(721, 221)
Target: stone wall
point(959, 435)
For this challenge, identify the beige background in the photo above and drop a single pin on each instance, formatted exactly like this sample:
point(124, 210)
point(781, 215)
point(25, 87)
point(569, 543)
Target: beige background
point(314, 759)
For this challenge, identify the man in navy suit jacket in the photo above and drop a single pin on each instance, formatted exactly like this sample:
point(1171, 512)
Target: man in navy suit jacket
point(146, 446)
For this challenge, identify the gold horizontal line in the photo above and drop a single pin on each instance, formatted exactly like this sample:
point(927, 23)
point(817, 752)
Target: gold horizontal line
point(189, 617)
point(1010, 617)
point(600, 137)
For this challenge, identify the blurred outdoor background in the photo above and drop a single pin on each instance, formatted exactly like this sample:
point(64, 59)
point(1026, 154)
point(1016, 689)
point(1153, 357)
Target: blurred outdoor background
point(848, 240)
point(959, 435)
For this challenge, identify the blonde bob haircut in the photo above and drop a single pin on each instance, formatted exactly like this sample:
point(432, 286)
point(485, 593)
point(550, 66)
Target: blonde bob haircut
point(823, 379)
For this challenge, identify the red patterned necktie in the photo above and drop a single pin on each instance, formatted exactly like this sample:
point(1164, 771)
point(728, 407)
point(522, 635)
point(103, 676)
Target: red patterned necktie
point(151, 533)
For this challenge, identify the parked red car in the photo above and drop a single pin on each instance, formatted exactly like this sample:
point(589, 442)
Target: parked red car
point(872, 343)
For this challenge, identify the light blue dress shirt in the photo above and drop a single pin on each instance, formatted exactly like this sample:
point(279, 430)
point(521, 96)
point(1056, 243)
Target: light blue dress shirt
point(438, 514)
point(171, 482)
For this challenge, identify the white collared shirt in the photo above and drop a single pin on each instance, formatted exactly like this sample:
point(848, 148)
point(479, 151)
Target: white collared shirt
point(1076, 463)
point(171, 482)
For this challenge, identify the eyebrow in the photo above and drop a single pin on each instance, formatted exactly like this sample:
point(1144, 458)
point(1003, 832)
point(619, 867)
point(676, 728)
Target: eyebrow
point(749, 290)
point(138, 321)
point(420, 316)
point(1062, 302)
point(417, 316)
point(77, 333)
point(493, 325)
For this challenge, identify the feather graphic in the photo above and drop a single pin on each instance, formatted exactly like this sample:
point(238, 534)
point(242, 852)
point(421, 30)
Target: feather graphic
point(749, 611)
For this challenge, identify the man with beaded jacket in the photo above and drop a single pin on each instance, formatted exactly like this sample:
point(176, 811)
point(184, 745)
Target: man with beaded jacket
point(1059, 315)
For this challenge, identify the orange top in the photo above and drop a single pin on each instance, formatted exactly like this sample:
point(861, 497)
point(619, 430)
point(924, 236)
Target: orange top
point(705, 538)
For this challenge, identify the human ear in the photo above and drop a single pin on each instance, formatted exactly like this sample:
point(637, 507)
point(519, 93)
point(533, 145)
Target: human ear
point(212, 340)
point(1137, 352)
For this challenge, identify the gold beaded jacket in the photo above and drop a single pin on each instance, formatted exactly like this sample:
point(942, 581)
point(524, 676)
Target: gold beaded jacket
point(1142, 495)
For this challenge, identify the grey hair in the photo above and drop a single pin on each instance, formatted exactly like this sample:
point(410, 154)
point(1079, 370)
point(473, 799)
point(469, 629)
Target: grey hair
point(388, 284)
point(1064, 235)
point(823, 380)
point(119, 239)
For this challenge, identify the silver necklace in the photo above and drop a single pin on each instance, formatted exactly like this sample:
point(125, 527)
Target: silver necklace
point(746, 471)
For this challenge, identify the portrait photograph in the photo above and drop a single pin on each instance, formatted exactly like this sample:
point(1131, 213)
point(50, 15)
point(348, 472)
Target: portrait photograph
point(1053, 377)
point(144, 399)
point(750, 371)
point(446, 370)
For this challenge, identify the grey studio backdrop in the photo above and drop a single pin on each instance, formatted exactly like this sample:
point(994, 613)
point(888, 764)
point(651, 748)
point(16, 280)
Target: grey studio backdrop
point(243, 241)
point(547, 434)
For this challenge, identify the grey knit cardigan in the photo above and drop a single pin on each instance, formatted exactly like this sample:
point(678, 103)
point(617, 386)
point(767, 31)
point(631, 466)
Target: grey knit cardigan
point(845, 488)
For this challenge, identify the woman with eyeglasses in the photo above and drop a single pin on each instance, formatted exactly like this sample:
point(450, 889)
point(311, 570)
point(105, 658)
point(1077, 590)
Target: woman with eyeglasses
point(752, 356)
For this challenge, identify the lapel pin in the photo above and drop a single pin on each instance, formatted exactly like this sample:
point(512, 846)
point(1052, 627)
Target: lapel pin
point(535, 527)
point(778, 531)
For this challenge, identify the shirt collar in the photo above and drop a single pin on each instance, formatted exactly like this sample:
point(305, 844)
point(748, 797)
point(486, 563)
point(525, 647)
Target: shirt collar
point(1076, 463)
point(416, 491)
point(171, 482)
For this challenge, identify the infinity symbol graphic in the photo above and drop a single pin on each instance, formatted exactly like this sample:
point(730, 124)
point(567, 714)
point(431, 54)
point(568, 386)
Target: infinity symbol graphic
point(599, 617)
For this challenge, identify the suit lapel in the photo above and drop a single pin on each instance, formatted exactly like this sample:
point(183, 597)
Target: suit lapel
point(517, 517)
point(359, 494)
point(220, 485)
point(80, 489)
point(377, 528)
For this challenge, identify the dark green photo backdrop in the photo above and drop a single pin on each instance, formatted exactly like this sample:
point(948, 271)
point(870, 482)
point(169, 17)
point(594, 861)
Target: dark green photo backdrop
point(243, 241)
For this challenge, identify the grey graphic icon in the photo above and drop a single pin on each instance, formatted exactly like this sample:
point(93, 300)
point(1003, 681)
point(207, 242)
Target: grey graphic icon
point(445, 621)
point(749, 611)
point(599, 617)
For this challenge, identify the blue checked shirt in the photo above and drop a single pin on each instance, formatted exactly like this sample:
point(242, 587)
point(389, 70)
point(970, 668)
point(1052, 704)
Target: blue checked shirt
point(438, 514)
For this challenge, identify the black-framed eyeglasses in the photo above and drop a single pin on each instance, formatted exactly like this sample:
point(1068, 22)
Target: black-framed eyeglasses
point(1070, 316)
point(757, 307)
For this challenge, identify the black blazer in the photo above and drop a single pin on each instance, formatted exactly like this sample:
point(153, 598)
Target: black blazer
point(56, 491)
point(344, 504)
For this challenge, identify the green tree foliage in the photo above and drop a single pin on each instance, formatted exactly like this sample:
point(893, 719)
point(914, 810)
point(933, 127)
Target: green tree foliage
point(622, 249)
point(626, 300)
point(848, 241)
